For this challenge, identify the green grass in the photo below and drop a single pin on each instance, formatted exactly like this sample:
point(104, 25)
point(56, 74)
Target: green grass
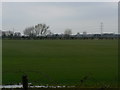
point(63, 62)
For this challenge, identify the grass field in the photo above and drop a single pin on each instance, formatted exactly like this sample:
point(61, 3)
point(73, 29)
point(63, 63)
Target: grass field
point(63, 62)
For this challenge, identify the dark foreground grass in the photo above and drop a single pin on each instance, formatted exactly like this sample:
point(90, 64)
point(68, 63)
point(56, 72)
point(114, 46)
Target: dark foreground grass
point(61, 62)
point(63, 89)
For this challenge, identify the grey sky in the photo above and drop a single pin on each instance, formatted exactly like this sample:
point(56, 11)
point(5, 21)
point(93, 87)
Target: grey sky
point(78, 16)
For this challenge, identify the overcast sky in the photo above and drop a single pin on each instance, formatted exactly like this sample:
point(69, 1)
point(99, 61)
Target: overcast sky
point(78, 16)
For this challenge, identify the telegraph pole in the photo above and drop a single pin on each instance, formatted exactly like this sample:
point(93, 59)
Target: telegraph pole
point(101, 27)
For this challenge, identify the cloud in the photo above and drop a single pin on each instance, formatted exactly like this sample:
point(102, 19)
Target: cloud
point(61, 15)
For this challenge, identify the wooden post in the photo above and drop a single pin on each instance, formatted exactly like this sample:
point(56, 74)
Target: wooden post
point(25, 82)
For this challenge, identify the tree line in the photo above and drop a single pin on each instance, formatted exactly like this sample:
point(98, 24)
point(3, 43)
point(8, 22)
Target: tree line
point(41, 31)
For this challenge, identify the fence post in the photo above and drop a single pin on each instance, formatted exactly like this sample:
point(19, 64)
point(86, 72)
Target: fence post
point(25, 82)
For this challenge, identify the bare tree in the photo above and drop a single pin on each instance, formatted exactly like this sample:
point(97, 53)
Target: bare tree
point(29, 31)
point(37, 29)
point(41, 29)
point(68, 32)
